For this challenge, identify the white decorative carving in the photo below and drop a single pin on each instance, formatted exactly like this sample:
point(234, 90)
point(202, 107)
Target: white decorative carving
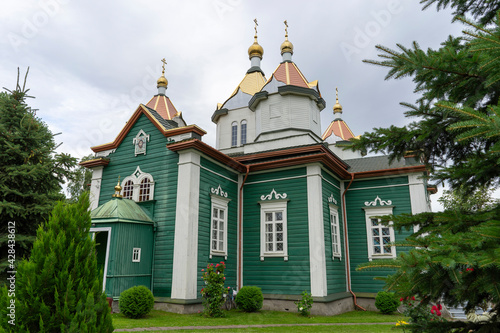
point(331, 199)
point(270, 196)
point(219, 191)
point(140, 142)
point(381, 202)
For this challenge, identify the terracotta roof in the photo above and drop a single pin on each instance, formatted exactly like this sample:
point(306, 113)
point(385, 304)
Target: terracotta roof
point(289, 74)
point(164, 107)
point(339, 128)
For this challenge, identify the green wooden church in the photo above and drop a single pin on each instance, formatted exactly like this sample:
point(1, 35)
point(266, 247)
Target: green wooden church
point(281, 203)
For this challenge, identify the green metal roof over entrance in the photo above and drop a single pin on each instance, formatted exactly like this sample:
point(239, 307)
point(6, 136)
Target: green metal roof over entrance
point(120, 210)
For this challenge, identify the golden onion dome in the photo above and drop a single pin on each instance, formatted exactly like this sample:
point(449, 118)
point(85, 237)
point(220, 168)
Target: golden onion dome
point(118, 190)
point(255, 50)
point(286, 46)
point(162, 81)
point(337, 107)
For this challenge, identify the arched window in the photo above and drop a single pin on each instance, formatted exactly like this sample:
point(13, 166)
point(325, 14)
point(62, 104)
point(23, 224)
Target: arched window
point(234, 134)
point(139, 186)
point(145, 190)
point(128, 189)
point(243, 132)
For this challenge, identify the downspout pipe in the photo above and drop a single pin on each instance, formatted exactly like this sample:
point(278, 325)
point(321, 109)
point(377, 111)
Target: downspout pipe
point(346, 242)
point(240, 230)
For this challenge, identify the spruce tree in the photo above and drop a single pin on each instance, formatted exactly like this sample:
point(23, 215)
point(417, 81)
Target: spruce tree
point(455, 256)
point(31, 173)
point(59, 288)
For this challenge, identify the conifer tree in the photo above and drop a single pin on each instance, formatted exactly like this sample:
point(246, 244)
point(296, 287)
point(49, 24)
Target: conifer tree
point(455, 256)
point(58, 289)
point(31, 173)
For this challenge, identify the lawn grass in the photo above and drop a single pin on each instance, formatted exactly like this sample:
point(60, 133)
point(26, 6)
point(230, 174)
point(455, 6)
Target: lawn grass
point(336, 329)
point(235, 317)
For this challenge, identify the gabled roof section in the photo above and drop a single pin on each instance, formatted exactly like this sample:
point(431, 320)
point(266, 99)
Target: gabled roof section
point(164, 107)
point(166, 127)
point(339, 128)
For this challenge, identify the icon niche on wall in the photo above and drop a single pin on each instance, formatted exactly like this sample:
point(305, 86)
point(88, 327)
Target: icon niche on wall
point(140, 141)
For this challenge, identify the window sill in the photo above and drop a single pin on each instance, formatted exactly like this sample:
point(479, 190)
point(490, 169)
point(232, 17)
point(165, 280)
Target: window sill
point(218, 254)
point(274, 255)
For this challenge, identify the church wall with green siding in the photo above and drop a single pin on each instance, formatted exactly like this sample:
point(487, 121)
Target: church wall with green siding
point(395, 189)
point(274, 275)
point(162, 165)
point(335, 267)
point(211, 176)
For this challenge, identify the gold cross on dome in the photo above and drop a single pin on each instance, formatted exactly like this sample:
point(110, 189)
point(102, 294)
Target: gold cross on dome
point(256, 24)
point(337, 93)
point(286, 28)
point(163, 66)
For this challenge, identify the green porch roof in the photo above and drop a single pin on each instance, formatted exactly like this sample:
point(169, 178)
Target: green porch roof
point(120, 210)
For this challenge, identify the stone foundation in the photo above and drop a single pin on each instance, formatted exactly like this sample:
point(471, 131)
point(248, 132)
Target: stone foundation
point(318, 308)
point(367, 303)
point(323, 307)
point(179, 308)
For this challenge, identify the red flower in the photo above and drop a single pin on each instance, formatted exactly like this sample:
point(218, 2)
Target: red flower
point(224, 277)
point(202, 270)
point(436, 309)
point(228, 287)
point(401, 299)
point(413, 298)
point(470, 269)
point(217, 265)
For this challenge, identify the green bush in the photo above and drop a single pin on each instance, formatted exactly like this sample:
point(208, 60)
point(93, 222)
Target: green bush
point(304, 304)
point(386, 302)
point(136, 302)
point(214, 289)
point(249, 299)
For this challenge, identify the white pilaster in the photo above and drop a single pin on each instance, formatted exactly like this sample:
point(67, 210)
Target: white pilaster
point(186, 227)
point(418, 195)
point(95, 186)
point(317, 256)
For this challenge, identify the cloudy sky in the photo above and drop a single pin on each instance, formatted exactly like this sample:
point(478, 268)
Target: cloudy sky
point(93, 62)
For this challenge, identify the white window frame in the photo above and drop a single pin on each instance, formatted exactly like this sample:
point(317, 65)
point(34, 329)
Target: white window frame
point(219, 203)
point(273, 207)
point(137, 177)
point(243, 130)
point(335, 232)
point(136, 254)
point(370, 213)
point(234, 134)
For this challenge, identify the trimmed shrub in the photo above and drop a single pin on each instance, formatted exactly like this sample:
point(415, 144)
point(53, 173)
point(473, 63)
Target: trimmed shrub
point(136, 302)
point(386, 302)
point(249, 299)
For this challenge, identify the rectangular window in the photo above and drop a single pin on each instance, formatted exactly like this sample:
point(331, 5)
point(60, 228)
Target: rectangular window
point(136, 254)
point(273, 229)
point(234, 134)
point(379, 236)
point(335, 230)
point(218, 226)
point(243, 132)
